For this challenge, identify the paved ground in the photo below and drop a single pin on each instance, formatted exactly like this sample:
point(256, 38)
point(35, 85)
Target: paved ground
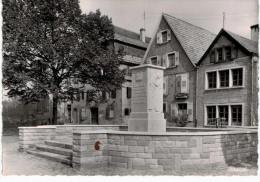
point(20, 163)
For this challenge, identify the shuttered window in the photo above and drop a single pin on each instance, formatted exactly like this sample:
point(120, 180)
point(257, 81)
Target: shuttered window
point(163, 36)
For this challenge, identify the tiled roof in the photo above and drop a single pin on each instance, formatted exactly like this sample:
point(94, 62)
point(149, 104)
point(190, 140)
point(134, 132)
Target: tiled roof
point(130, 37)
point(194, 40)
point(250, 45)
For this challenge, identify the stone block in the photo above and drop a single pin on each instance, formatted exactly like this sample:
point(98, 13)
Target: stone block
point(119, 159)
point(162, 156)
point(168, 143)
point(143, 142)
point(144, 155)
point(136, 149)
point(204, 155)
point(181, 144)
point(190, 156)
point(149, 149)
point(166, 162)
point(137, 162)
point(130, 142)
point(122, 148)
point(162, 150)
point(129, 154)
point(151, 161)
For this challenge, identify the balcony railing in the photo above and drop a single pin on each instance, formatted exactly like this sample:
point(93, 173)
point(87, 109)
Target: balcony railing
point(218, 122)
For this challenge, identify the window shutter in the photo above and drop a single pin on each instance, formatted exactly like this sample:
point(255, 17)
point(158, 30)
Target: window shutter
point(165, 85)
point(164, 60)
point(159, 61)
point(184, 83)
point(174, 111)
point(190, 111)
point(212, 57)
point(159, 38)
point(178, 83)
point(168, 35)
point(167, 61)
point(216, 55)
point(176, 58)
point(234, 53)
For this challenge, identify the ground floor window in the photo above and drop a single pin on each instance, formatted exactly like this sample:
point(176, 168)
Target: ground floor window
point(182, 108)
point(211, 114)
point(223, 114)
point(236, 111)
point(226, 114)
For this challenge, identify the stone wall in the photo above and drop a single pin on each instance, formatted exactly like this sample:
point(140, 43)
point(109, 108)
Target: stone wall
point(30, 136)
point(163, 152)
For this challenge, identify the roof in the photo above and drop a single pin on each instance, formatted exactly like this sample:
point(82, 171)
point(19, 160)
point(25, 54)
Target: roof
point(248, 45)
point(130, 37)
point(194, 40)
point(255, 26)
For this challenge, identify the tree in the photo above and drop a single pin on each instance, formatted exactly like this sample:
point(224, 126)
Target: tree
point(49, 45)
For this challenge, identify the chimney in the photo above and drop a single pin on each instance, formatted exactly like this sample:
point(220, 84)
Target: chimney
point(142, 34)
point(254, 32)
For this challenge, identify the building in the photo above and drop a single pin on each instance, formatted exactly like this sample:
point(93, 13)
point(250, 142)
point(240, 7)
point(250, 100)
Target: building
point(178, 46)
point(227, 81)
point(117, 106)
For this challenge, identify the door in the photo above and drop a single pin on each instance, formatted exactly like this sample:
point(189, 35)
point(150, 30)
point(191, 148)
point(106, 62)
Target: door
point(75, 116)
point(94, 115)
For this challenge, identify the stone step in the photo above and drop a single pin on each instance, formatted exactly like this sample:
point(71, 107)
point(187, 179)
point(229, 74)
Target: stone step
point(55, 150)
point(51, 156)
point(60, 144)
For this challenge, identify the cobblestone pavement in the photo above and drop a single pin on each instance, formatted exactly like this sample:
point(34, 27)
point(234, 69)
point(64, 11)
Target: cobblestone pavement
point(21, 163)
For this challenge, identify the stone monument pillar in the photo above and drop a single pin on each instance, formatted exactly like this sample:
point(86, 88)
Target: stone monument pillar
point(147, 99)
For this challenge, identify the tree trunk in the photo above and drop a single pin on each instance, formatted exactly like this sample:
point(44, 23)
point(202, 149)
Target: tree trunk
point(54, 110)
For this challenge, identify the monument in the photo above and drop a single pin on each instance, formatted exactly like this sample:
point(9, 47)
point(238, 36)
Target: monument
point(147, 99)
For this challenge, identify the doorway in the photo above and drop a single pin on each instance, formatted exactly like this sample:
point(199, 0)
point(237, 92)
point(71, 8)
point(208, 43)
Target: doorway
point(94, 115)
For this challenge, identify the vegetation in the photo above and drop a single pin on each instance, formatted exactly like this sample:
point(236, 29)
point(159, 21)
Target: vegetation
point(49, 45)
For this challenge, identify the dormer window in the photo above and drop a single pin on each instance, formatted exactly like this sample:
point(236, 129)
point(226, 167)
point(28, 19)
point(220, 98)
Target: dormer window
point(163, 36)
point(221, 54)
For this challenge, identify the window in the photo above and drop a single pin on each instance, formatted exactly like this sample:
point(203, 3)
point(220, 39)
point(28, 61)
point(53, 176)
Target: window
point(228, 53)
point(164, 36)
point(236, 114)
point(211, 114)
point(128, 92)
point(223, 113)
point(182, 108)
point(182, 83)
point(231, 113)
point(82, 95)
point(171, 58)
point(127, 111)
point(237, 75)
point(113, 94)
point(212, 79)
point(224, 78)
point(220, 55)
point(154, 60)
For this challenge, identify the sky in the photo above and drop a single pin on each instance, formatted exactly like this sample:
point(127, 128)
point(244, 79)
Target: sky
point(208, 14)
